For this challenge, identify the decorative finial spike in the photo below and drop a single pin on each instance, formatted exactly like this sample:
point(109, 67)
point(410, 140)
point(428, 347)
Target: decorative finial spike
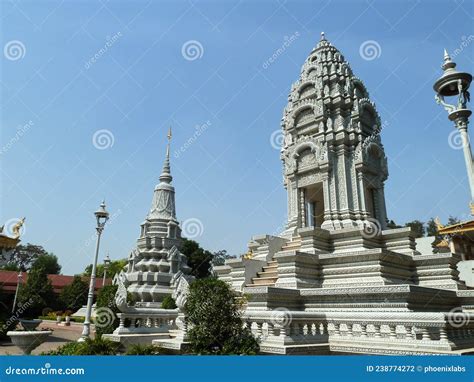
point(169, 133)
point(323, 36)
point(446, 56)
point(448, 64)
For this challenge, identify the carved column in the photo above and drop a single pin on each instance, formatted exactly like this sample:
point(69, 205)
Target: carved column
point(326, 195)
point(363, 207)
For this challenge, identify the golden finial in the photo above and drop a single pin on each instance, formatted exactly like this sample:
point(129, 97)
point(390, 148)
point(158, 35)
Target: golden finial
point(438, 224)
point(471, 206)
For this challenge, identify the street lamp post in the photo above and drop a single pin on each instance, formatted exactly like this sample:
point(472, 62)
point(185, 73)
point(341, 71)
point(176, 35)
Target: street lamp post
point(106, 266)
point(20, 277)
point(102, 216)
point(456, 84)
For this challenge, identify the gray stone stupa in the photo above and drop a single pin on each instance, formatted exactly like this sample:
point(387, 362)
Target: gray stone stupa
point(156, 258)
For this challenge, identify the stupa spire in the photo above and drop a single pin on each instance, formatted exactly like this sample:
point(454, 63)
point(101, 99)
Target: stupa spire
point(166, 172)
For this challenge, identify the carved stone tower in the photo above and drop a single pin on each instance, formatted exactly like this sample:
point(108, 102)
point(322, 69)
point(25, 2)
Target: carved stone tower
point(157, 258)
point(334, 161)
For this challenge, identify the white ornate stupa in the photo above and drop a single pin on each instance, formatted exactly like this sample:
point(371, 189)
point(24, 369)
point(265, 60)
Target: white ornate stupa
point(155, 268)
point(156, 258)
point(337, 280)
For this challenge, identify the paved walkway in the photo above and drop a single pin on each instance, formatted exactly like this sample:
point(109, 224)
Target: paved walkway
point(60, 336)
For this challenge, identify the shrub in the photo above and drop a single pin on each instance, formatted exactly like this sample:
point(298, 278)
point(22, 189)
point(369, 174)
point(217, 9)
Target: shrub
point(106, 300)
point(96, 346)
point(168, 303)
point(215, 319)
point(143, 350)
point(46, 311)
point(67, 349)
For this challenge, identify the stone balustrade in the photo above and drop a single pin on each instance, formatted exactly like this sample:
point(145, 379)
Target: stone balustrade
point(364, 332)
point(157, 321)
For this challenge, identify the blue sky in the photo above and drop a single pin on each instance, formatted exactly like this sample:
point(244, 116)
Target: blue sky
point(54, 98)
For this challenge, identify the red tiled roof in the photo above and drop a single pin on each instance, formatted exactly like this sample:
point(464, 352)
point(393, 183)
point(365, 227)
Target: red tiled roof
point(9, 279)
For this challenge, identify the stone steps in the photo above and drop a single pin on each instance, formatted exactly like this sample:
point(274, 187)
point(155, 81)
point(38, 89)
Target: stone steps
point(292, 245)
point(267, 277)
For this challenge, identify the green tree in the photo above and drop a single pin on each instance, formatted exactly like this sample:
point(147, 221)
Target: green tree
point(220, 257)
point(106, 319)
point(417, 227)
point(115, 267)
point(23, 256)
point(199, 259)
point(49, 262)
point(392, 225)
point(453, 220)
point(215, 317)
point(431, 228)
point(74, 295)
point(36, 294)
point(10, 267)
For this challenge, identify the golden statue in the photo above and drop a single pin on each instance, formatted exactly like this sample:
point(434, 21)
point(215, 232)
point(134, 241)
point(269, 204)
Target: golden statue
point(248, 255)
point(17, 227)
point(438, 224)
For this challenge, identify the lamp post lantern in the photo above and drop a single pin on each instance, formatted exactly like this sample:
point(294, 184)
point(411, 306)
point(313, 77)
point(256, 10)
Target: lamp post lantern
point(20, 278)
point(456, 84)
point(101, 216)
point(106, 266)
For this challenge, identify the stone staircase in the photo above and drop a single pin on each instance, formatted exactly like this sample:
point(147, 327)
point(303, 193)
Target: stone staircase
point(267, 277)
point(292, 245)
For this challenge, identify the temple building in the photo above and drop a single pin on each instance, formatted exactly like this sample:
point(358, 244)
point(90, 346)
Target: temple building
point(337, 280)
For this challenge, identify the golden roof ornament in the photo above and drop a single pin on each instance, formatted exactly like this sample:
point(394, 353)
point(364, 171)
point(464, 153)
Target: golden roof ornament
point(438, 224)
point(17, 227)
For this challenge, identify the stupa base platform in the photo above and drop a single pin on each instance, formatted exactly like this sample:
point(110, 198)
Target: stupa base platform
point(173, 345)
point(127, 340)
